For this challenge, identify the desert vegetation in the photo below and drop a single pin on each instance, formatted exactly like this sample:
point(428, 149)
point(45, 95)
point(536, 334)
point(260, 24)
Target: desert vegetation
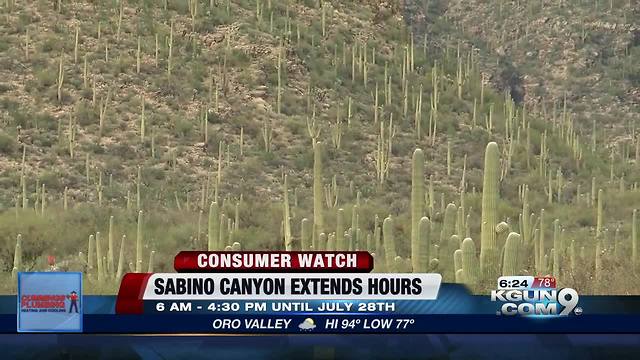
point(133, 129)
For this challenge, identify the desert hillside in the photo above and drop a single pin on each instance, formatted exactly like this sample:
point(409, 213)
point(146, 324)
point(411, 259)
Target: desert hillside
point(132, 129)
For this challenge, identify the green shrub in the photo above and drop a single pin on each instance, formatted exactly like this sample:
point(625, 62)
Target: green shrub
point(8, 143)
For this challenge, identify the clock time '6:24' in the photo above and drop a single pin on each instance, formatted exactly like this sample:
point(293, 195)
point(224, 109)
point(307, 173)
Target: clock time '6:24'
point(515, 282)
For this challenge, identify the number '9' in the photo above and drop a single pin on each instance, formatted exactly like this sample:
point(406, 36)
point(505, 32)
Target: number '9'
point(568, 298)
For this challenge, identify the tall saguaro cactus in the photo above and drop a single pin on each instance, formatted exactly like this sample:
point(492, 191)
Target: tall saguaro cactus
point(100, 263)
point(60, 77)
point(139, 241)
point(634, 240)
point(91, 253)
point(540, 242)
point(417, 200)
point(151, 261)
point(525, 224)
point(288, 240)
point(110, 258)
point(193, 10)
point(431, 206)
point(489, 254)
point(214, 223)
point(305, 235)
point(389, 242)
point(17, 257)
point(557, 248)
point(318, 220)
point(355, 229)
point(340, 242)
point(120, 269)
point(598, 266)
point(169, 63)
point(599, 212)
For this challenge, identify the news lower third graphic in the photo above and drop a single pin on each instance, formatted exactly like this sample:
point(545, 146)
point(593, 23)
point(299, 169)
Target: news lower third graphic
point(50, 302)
point(278, 293)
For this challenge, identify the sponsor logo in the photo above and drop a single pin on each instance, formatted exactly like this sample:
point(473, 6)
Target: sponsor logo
point(50, 302)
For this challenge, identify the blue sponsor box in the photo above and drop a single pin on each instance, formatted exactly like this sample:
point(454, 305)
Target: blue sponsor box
point(49, 302)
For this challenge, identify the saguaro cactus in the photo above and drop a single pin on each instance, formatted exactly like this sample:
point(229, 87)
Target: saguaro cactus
point(110, 258)
point(457, 265)
point(151, 261)
point(489, 254)
point(525, 225)
point(593, 191)
point(449, 223)
point(389, 242)
point(169, 63)
point(377, 235)
point(222, 228)
point(572, 256)
point(417, 198)
point(121, 258)
point(634, 240)
point(288, 240)
point(305, 235)
point(557, 246)
point(17, 257)
point(470, 265)
point(331, 242)
point(460, 225)
point(599, 212)
point(193, 10)
point(423, 247)
point(139, 241)
point(448, 158)
point(60, 77)
point(322, 242)
point(340, 242)
point(355, 236)
point(318, 219)
point(541, 250)
point(214, 223)
point(431, 206)
point(502, 232)
point(99, 261)
point(91, 253)
point(510, 263)
point(598, 266)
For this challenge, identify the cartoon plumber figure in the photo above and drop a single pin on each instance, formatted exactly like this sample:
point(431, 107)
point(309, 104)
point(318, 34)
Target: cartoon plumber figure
point(74, 301)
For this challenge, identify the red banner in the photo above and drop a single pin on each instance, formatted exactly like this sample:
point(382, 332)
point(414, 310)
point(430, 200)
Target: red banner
point(273, 261)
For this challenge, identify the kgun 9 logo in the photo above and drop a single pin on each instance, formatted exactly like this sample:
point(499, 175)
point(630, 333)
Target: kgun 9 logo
point(537, 302)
